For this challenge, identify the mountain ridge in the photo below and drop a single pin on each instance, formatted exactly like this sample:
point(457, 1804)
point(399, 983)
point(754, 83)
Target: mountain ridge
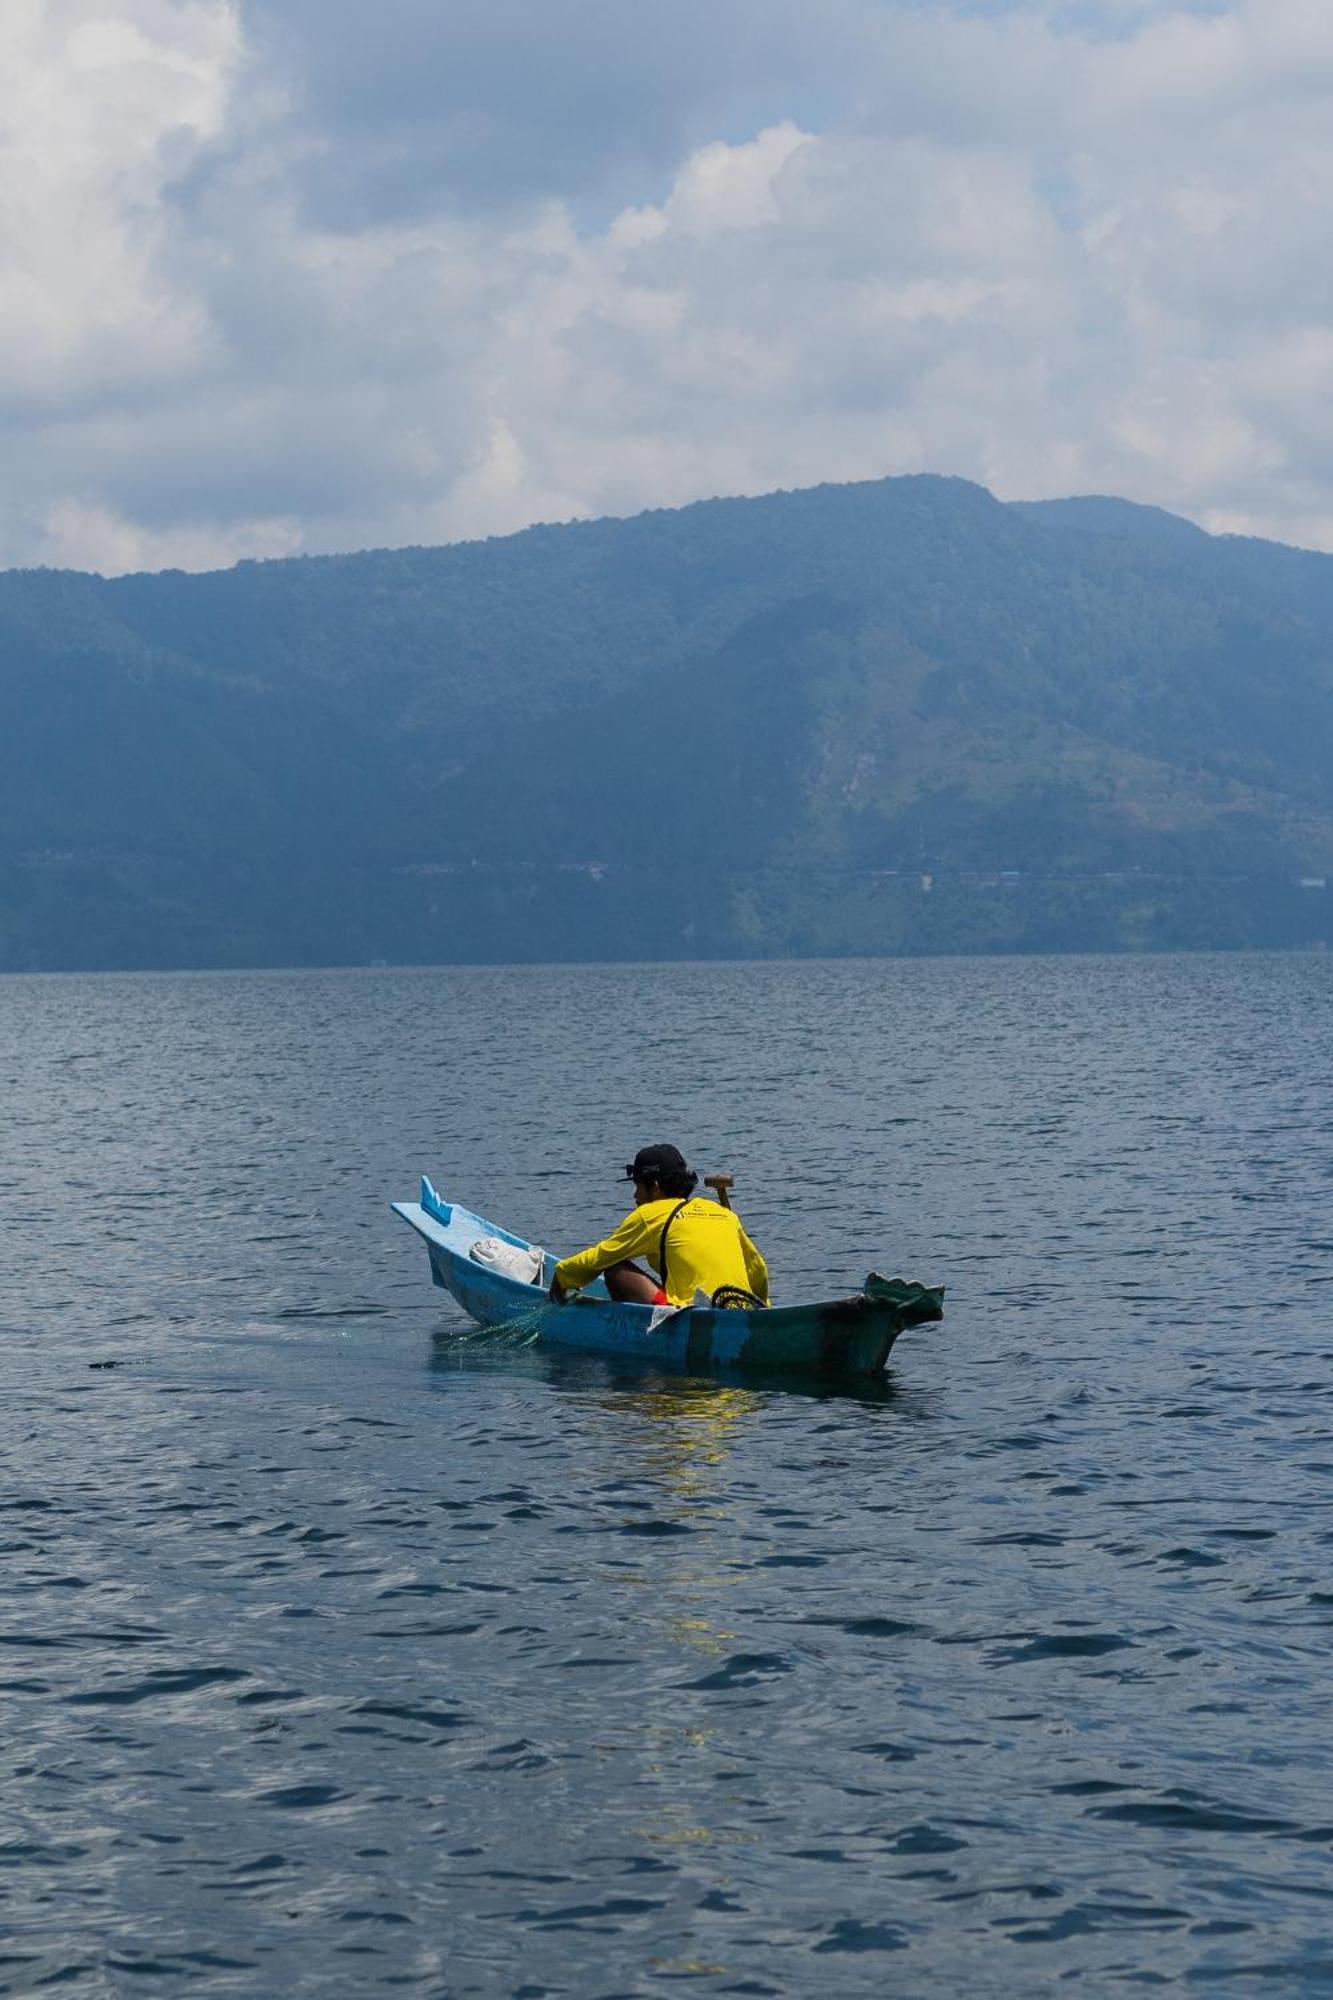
point(768, 720)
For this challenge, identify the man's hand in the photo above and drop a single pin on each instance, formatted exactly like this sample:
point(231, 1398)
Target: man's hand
point(557, 1294)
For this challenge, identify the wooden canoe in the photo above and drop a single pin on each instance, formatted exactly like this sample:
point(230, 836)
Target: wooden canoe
point(838, 1337)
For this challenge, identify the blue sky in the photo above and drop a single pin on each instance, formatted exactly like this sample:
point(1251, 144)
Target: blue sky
point(309, 275)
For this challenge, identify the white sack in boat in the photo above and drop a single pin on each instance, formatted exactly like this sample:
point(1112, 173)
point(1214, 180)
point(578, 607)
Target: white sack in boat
point(512, 1260)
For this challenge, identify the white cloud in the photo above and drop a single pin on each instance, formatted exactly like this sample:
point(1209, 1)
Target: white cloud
point(725, 187)
point(1051, 250)
point(82, 535)
point(99, 108)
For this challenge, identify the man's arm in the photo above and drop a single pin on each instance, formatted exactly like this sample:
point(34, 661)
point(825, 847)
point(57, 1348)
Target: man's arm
point(756, 1270)
point(633, 1237)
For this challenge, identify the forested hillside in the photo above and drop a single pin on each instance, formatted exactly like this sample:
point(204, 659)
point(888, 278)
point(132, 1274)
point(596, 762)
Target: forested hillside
point(896, 716)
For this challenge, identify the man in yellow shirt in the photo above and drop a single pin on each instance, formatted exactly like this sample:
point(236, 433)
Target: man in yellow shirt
point(694, 1244)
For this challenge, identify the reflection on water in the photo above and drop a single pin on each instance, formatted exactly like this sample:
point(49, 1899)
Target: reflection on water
point(685, 1450)
point(687, 1428)
point(461, 1348)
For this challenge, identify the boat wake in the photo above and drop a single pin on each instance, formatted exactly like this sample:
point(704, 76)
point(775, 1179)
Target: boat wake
point(522, 1331)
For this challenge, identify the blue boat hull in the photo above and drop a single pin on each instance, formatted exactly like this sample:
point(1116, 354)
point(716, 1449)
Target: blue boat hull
point(841, 1337)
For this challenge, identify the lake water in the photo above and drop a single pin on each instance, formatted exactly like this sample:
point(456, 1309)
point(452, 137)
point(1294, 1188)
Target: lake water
point(343, 1653)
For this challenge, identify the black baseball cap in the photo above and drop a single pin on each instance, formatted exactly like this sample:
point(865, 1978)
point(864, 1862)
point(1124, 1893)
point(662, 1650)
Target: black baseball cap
point(651, 1162)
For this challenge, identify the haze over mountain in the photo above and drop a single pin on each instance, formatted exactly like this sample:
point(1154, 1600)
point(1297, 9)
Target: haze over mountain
point(892, 716)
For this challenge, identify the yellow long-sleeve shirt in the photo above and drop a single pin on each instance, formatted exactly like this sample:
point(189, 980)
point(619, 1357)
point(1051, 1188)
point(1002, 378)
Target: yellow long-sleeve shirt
point(706, 1247)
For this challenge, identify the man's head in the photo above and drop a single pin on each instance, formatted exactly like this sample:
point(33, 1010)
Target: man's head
point(659, 1171)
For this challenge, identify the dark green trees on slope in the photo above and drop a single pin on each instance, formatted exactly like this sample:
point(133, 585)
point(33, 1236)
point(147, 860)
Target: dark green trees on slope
point(896, 716)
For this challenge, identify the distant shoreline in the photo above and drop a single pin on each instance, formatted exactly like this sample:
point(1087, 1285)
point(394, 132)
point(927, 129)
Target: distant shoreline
point(720, 962)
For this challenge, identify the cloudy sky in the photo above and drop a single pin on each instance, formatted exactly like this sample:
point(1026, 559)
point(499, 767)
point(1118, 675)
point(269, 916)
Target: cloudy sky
point(311, 275)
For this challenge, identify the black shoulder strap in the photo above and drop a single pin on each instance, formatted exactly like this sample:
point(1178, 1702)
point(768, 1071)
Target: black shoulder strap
point(662, 1239)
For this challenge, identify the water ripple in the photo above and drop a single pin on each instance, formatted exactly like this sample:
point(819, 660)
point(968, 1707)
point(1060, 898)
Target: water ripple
point(345, 1653)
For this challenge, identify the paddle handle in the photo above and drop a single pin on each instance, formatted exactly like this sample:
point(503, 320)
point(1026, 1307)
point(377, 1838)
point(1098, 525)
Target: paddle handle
point(719, 1184)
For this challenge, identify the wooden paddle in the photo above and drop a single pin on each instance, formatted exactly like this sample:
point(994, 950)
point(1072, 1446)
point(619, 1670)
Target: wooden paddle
point(719, 1184)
